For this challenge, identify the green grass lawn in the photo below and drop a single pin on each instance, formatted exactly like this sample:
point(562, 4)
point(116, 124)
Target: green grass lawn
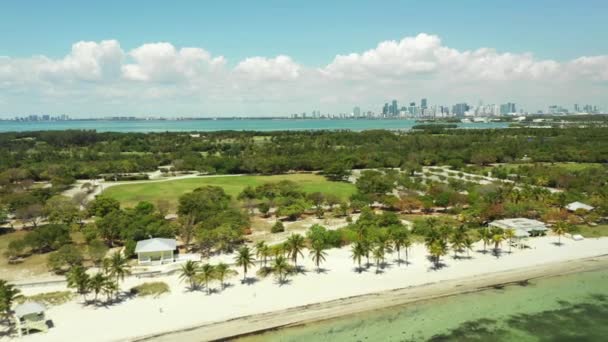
point(130, 194)
point(592, 232)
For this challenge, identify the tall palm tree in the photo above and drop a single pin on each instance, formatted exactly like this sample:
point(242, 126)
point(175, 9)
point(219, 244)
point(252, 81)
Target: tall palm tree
point(78, 278)
point(560, 229)
point(260, 247)
point(486, 237)
point(497, 240)
point(509, 235)
point(188, 273)
point(295, 244)
point(119, 266)
point(357, 253)
point(318, 254)
point(97, 283)
point(223, 271)
point(110, 287)
point(468, 244)
point(244, 258)
point(8, 294)
point(437, 249)
point(407, 243)
point(206, 275)
point(280, 267)
point(458, 239)
point(379, 253)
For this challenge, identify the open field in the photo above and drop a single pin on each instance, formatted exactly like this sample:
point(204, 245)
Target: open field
point(130, 194)
point(592, 232)
point(33, 265)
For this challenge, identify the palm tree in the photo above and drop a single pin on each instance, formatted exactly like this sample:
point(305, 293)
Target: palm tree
point(97, 283)
point(486, 237)
point(358, 252)
point(8, 294)
point(437, 249)
point(280, 267)
point(109, 288)
point(260, 248)
point(367, 248)
point(119, 266)
point(223, 271)
point(497, 240)
point(509, 235)
point(407, 243)
point(468, 245)
point(206, 274)
point(295, 245)
point(379, 253)
point(560, 229)
point(188, 272)
point(78, 278)
point(244, 258)
point(458, 239)
point(318, 254)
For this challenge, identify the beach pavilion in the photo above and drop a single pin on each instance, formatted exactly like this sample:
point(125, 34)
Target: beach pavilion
point(156, 250)
point(30, 316)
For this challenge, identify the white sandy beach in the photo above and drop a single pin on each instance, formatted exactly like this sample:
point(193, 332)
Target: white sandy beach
point(182, 309)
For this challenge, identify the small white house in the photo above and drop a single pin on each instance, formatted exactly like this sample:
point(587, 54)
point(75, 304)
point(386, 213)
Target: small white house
point(574, 206)
point(156, 250)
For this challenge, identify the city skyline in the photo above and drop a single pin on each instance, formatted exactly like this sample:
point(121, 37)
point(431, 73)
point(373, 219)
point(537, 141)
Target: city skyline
point(206, 68)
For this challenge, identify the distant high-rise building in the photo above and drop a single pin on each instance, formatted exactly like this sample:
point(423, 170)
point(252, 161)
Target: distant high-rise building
point(357, 112)
point(423, 104)
point(385, 109)
point(459, 109)
point(394, 110)
point(507, 108)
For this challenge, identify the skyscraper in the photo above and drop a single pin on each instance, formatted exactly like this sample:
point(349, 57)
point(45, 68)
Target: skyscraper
point(357, 112)
point(394, 108)
point(423, 104)
point(459, 109)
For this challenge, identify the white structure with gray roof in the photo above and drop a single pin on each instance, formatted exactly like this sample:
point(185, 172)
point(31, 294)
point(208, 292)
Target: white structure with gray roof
point(522, 226)
point(574, 206)
point(156, 250)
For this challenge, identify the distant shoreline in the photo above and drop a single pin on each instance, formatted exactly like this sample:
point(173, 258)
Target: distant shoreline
point(322, 311)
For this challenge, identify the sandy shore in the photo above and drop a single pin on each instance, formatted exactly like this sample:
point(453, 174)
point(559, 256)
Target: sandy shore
point(242, 309)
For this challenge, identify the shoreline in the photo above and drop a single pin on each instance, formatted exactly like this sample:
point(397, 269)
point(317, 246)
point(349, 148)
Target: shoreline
point(322, 311)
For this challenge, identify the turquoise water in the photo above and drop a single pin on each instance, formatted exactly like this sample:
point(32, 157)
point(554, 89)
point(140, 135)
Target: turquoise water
point(221, 125)
point(568, 308)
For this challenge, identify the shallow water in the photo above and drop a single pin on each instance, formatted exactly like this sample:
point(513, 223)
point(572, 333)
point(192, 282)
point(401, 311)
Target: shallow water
point(567, 308)
point(221, 125)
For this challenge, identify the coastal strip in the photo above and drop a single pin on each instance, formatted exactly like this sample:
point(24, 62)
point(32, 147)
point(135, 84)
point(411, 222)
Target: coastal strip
point(300, 315)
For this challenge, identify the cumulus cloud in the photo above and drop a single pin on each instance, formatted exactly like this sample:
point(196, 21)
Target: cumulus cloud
point(162, 62)
point(280, 68)
point(161, 75)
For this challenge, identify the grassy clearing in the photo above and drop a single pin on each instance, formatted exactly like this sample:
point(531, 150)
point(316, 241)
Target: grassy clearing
point(130, 194)
point(155, 289)
point(592, 232)
point(31, 266)
point(49, 298)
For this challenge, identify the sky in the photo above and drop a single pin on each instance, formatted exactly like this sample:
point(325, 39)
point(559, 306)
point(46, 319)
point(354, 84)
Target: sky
point(262, 58)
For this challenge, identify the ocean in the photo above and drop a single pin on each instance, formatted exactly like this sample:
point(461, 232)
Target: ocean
point(222, 125)
point(566, 308)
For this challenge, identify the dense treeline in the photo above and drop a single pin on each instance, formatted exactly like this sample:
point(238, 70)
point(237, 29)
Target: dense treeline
point(62, 156)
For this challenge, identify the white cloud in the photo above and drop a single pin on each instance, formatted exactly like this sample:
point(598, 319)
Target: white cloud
point(162, 77)
point(162, 62)
point(280, 68)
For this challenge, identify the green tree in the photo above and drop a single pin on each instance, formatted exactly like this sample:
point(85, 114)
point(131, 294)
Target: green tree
point(207, 274)
point(509, 235)
point(97, 250)
point(188, 272)
point(280, 267)
point(118, 266)
point(318, 254)
point(97, 283)
point(437, 249)
point(78, 278)
point(295, 244)
point(560, 229)
point(67, 256)
point(224, 271)
point(357, 253)
point(8, 294)
point(399, 235)
point(244, 258)
point(102, 205)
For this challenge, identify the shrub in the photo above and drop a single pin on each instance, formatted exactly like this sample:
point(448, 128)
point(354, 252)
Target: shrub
point(155, 289)
point(277, 227)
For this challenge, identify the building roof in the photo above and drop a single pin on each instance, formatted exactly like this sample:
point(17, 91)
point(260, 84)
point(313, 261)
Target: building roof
point(29, 308)
point(574, 206)
point(521, 223)
point(155, 245)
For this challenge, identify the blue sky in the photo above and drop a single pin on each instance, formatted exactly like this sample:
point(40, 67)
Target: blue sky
point(310, 31)
point(276, 57)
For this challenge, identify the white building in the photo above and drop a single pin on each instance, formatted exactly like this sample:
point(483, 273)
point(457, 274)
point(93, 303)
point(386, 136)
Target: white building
point(156, 250)
point(574, 206)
